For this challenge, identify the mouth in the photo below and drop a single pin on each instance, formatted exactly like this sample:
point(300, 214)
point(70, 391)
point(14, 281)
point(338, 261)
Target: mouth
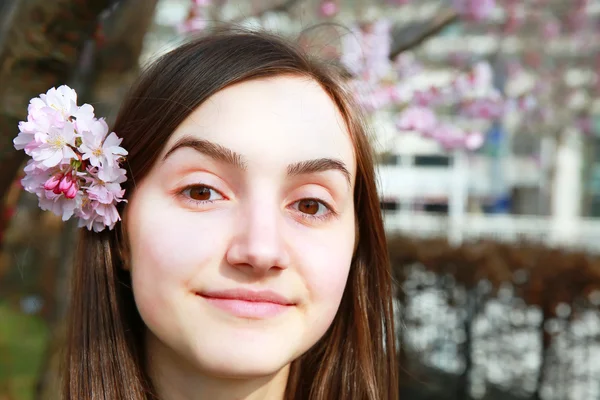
point(249, 304)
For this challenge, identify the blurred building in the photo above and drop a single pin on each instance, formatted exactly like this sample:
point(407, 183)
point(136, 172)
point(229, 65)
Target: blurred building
point(519, 184)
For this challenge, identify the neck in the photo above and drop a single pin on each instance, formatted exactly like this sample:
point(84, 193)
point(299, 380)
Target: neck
point(175, 378)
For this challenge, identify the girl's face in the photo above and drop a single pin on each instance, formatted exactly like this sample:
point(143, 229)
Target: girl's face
point(243, 232)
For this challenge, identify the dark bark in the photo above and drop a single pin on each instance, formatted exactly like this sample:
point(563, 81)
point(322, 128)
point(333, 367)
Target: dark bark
point(412, 36)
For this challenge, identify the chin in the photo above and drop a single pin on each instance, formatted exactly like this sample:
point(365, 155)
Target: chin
point(247, 348)
point(238, 362)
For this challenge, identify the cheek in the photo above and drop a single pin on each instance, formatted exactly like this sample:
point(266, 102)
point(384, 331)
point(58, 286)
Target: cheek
point(167, 250)
point(325, 265)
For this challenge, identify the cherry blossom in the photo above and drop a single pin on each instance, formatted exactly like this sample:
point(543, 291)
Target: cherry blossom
point(57, 146)
point(99, 148)
point(420, 119)
point(75, 165)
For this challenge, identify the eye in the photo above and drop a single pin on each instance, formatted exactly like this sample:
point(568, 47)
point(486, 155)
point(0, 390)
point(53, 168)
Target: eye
point(309, 206)
point(202, 193)
point(312, 208)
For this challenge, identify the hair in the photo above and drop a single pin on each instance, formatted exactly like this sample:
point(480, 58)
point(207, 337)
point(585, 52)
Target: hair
point(105, 354)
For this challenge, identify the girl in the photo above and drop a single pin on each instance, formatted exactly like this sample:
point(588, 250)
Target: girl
point(250, 262)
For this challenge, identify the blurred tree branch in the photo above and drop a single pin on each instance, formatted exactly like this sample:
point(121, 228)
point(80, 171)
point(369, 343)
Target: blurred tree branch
point(409, 37)
point(284, 6)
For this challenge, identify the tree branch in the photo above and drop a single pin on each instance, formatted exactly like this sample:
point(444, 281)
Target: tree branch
point(413, 36)
point(279, 7)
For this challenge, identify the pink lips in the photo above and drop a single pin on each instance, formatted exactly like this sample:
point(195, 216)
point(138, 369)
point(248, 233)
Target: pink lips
point(248, 303)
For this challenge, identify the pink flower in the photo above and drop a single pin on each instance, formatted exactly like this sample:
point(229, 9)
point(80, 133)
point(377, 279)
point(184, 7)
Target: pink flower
point(365, 52)
point(109, 214)
point(98, 148)
point(449, 136)
point(58, 174)
point(483, 108)
point(112, 174)
point(96, 216)
point(57, 146)
point(418, 119)
point(329, 8)
point(429, 97)
point(35, 178)
point(59, 205)
point(83, 118)
point(39, 121)
point(63, 100)
point(106, 194)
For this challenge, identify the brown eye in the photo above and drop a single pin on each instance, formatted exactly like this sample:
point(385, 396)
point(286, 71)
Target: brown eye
point(310, 207)
point(202, 193)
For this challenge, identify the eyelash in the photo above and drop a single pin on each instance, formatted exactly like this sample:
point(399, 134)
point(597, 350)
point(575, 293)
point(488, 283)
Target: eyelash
point(328, 215)
point(191, 201)
point(324, 217)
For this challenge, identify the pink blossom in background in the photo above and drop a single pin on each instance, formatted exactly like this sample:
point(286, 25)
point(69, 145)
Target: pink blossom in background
point(514, 20)
point(483, 108)
point(474, 140)
point(551, 29)
point(365, 51)
point(328, 8)
point(475, 10)
point(196, 24)
point(427, 98)
point(482, 75)
point(420, 119)
point(197, 19)
point(449, 136)
point(406, 66)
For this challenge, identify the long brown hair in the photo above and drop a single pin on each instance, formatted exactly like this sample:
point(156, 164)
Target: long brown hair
point(356, 358)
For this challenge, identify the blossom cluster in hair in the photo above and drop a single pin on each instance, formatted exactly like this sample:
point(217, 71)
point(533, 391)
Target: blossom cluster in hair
point(75, 166)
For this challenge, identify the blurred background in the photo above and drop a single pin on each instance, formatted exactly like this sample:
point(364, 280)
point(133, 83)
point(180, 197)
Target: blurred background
point(485, 117)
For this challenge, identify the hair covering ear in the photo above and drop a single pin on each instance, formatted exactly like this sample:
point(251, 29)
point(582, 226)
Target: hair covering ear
point(356, 234)
point(122, 245)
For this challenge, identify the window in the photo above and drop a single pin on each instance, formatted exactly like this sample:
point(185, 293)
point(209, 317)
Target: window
point(389, 205)
point(433, 160)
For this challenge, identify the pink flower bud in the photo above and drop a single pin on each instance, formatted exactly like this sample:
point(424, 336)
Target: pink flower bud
point(52, 183)
point(71, 192)
point(65, 184)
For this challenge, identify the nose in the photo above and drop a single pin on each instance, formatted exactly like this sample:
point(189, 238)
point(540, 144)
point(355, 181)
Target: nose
point(258, 244)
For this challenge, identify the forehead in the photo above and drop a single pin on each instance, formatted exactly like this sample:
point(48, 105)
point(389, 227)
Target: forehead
point(279, 118)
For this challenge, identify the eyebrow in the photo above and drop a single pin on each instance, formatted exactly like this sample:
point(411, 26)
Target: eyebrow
point(210, 149)
point(223, 154)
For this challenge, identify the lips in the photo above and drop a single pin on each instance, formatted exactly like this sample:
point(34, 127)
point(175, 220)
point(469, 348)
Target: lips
point(246, 303)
